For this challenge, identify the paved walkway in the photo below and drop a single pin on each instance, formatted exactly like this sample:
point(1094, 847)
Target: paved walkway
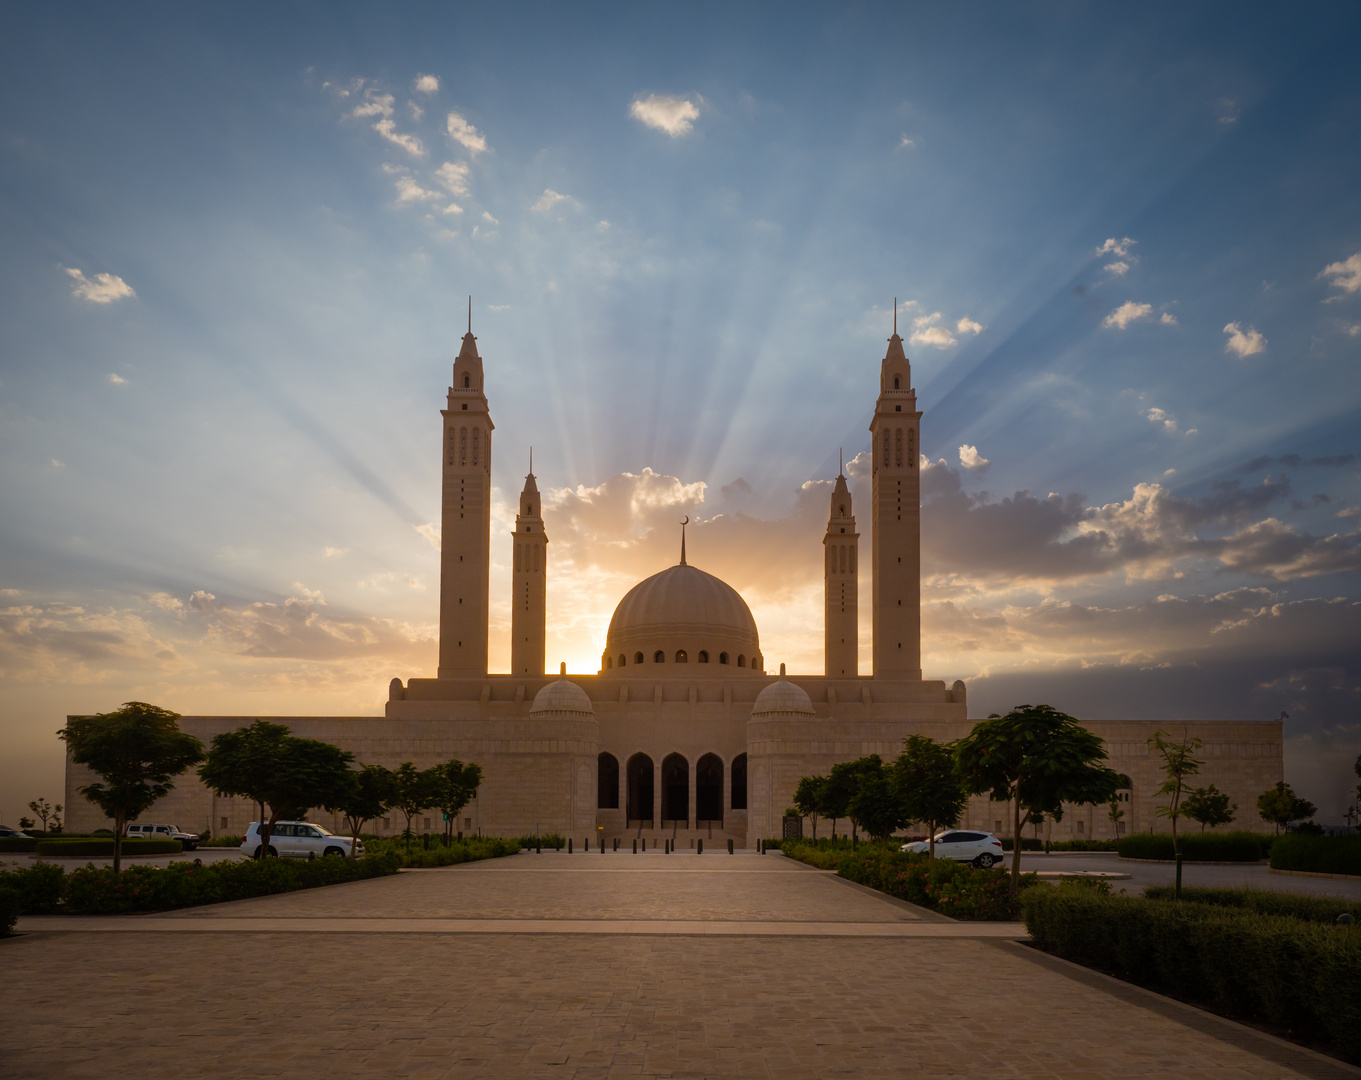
point(613, 966)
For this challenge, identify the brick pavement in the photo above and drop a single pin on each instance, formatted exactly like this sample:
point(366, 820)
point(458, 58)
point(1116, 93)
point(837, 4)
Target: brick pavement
point(261, 1003)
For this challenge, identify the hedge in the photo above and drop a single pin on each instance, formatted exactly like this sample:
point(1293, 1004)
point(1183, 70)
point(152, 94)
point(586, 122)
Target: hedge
point(457, 851)
point(39, 887)
point(952, 888)
point(1209, 847)
point(1317, 854)
point(1319, 909)
point(18, 843)
point(98, 847)
point(9, 911)
point(1298, 975)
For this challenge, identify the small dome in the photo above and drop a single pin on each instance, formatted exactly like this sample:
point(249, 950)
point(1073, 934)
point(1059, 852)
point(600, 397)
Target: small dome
point(562, 696)
point(782, 696)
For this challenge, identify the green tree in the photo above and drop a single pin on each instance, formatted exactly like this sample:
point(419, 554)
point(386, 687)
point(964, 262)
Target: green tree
point(928, 784)
point(1115, 812)
point(843, 784)
point(876, 804)
point(1178, 765)
point(284, 775)
point(138, 750)
point(413, 790)
point(1280, 806)
point(366, 793)
point(453, 786)
point(26, 823)
point(1209, 806)
point(808, 799)
point(1038, 757)
point(46, 812)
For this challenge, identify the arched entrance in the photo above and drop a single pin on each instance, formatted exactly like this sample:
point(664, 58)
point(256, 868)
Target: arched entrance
point(675, 789)
point(739, 782)
point(607, 782)
point(640, 795)
point(709, 789)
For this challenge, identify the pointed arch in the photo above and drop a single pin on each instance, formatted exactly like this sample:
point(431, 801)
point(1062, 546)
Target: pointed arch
point(675, 788)
point(641, 797)
point(739, 782)
point(709, 789)
point(607, 781)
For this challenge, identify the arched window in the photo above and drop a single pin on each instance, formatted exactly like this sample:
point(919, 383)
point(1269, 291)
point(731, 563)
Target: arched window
point(703, 656)
point(536, 558)
point(741, 660)
point(675, 789)
point(463, 446)
point(637, 658)
point(623, 660)
point(607, 781)
point(640, 793)
point(659, 657)
point(466, 382)
point(843, 557)
point(722, 658)
point(756, 662)
point(709, 789)
point(739, 782)
point(843, 511)
point(609, 661)
point(518, 549)
point(681, 658)
point(895, 382)
point(852, 562)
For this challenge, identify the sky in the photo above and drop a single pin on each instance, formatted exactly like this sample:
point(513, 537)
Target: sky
point(237, 245)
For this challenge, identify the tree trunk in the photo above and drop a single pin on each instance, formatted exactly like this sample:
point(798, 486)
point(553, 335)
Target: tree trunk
point(118, 820)
point(1016, 845)
point(930, 838)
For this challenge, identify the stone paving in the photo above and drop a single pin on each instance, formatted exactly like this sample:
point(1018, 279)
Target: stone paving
point(257, 1002)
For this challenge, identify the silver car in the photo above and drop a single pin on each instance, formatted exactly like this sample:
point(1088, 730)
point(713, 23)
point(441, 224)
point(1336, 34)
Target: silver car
point(297, 840)
point(982, 849)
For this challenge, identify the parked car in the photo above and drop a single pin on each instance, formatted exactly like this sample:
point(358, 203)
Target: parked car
point(189, 841)
point(980, 848)
point(9, 831)
point(297, 840)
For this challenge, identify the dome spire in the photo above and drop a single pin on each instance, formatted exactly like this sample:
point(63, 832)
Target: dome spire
point(683, 524)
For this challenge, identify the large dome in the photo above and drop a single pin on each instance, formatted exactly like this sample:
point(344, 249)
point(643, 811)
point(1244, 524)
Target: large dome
point(683, 615)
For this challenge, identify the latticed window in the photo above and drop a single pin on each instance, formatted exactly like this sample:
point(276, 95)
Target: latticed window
point(518, 549)
point(536, 558)
point(474, 446)
point(463, 446)
point(852, 561)
point(898, 447)
point(911, 447)
point(453, 443)
point(886, 448)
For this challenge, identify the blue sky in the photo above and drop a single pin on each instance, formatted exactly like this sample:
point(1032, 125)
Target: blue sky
point(238, 242)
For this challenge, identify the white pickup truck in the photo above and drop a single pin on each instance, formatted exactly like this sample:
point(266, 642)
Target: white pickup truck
point(189, 841)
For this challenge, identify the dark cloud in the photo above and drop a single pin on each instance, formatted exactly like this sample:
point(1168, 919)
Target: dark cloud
point(1294, 461)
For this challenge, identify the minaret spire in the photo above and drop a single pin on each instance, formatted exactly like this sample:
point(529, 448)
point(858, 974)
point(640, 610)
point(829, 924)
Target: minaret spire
point(470, 315)
point(895, 318)
point(683, 524)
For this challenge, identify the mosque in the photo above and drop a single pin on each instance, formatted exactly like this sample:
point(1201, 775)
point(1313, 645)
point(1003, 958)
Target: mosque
point(682, 733)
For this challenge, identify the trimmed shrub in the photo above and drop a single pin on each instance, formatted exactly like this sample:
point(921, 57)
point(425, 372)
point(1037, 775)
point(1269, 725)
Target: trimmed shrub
point(952, 888)
point(1210, 847)
point(9, 911)
point(1319, 909)
point(1317, 854)
point(459, 851)
point(223, 841)
point(38, 887)
point(552, 841)
point(97, 847)
point(1301, 976)
point(12, 844)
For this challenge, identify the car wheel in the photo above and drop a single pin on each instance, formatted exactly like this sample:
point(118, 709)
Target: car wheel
point(985, 860)
point(333, 851)
point(273, 854)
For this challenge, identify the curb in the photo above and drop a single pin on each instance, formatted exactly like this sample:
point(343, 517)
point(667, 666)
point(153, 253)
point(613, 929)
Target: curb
point(1315, 873)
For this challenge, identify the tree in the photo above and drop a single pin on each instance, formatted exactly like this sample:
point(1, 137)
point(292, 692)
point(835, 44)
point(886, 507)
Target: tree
point(1209, 806)
point(1115, 812)
point(843, 784)
point(453, 786)
point(1280, 806)
point(928, 785)
point(138, 750)
point(1038, 757)
point(808, 799)
point(413, 790)
point(26, 823)
point(45, 811)
point(1177, 765)
point(876, 804)
point(1357, 769)
point(365, 795)
point(284, 775)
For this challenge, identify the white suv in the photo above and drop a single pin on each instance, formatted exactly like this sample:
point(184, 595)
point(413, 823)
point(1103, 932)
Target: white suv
point(297, 840)
point(980, 848)
point(188, 841)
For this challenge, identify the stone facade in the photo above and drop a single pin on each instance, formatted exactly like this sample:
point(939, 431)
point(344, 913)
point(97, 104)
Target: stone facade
point(681, 734)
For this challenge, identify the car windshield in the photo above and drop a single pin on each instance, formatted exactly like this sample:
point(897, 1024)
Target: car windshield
point(323, 831)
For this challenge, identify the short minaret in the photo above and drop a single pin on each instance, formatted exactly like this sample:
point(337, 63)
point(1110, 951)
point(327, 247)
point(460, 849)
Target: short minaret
point(465, 545)
point(841, 653)
point(528, 583)
point(896, 539)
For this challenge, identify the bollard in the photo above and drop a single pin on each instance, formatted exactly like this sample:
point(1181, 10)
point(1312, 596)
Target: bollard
point(569, 845)
point(425, 841)
point(645, 845)
point(602, 845)
point(730, 845)
point(760, 847)
point(700, 849)
point(1177, 893)
point(538, 845)
point(635, 845)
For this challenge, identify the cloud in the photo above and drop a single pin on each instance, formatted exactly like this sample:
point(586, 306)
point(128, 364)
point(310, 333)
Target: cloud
point(426, 84)
point(333, 552)
point(412, 145)
point(416, 111)
point(970, 458)
point(410, 191)
point(1167, 319)
point(463, 132)
point(967, 326)
point(374, 104)
point(1345, 275)
point(550, 199)
point(489, 219)
point(1158, 416)
point(666, 112)
point(103, 289)
point(1243, 344)
point(1119, 268)
point(1127, 313)
point(431, 533)
point(905, 143)
point(1118, 248)
point(117, 380)
point(454, 176)
point(927, 331)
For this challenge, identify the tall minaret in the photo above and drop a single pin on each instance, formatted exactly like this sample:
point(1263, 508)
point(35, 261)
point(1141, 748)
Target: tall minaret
point(897, 517)
point(841, 653)
point(529, 577)
point(465, 547)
